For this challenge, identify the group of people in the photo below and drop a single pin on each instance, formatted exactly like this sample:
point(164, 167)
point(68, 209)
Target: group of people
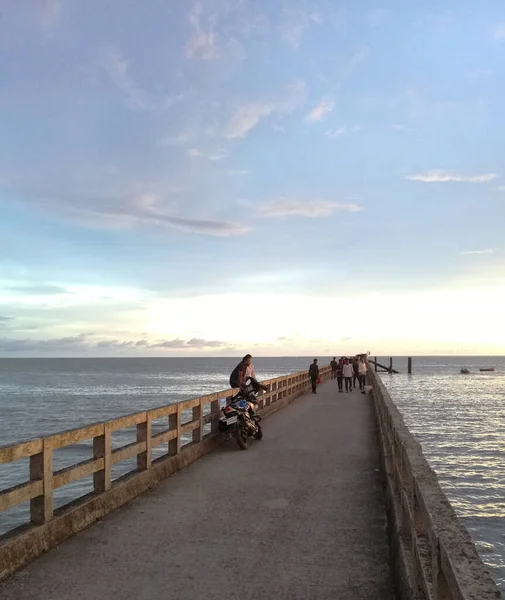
point(350, 370)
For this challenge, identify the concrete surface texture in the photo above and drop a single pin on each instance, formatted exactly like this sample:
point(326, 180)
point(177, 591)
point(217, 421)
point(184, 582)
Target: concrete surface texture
point(297, 516)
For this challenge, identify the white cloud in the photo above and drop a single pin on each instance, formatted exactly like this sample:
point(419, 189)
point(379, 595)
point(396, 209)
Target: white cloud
point(204, 227)
point(347, 131)
point(487, 251)
point(441, 176)
point(135, 211)
point(335, 133)
point(247, 116)
point(499, 31)
point(117, 68)
point(314, 209)
point(354, 62)
point(319, 111)
point(398, 126)
point(180, 139)
point(203, 43)
point(87, 343)
point(217, 155)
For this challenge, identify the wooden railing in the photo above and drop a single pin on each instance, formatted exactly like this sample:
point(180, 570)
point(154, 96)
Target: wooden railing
point(434, 555)
point(43, 480)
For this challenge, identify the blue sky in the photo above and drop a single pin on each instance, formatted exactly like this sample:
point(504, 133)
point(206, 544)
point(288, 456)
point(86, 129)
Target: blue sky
point(281, 177)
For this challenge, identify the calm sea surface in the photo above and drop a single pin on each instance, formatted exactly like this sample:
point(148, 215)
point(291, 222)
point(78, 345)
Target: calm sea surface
point(459, 420)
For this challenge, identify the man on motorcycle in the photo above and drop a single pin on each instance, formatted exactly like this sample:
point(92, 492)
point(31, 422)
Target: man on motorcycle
point(243, 371)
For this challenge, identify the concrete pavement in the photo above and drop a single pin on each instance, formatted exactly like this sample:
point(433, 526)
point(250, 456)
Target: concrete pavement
point(298, 516)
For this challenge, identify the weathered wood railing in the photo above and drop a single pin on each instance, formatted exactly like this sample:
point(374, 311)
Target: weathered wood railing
point(48, 526)
point(434, 555)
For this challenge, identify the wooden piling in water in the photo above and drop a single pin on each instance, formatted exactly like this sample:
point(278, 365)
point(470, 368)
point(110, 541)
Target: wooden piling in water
point(381, 366)
point(391, 364)
point(409, 365)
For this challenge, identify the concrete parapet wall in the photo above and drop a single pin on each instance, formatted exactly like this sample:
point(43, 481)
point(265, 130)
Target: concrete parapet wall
point(433, 554)
point(49, 527)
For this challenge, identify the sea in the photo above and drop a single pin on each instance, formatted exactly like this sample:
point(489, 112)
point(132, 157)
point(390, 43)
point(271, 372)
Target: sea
point(458, 419)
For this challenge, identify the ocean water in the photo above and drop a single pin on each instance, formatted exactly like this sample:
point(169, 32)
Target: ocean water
point(459, 420)
point(43, 396)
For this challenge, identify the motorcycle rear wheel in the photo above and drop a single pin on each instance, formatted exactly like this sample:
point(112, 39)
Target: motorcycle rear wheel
point(241, 435)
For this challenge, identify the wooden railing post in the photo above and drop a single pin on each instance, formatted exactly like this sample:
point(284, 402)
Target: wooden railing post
point(144, 434)
point(102, 448)
point(174, 422)
point(198, 415)
point(41, 468)
point(214, 411)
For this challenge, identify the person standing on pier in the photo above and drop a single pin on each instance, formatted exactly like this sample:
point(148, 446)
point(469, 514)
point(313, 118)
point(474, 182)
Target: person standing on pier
point(362, 374)
point(314, 375)
point(333, 365)
point(348, 372)
point(355, 371)
point(340, 375)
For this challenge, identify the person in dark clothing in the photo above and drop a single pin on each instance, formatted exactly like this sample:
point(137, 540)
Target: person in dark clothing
point(355, 371)
point(239, 375)
point(333, 365)
point(340, 375)
point(314, 374)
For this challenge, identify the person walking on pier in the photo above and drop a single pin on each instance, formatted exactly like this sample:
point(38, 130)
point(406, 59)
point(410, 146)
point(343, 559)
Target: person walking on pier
point(348, 372)
point(355, 371)
point(362, 374)
point(333, 365)
point(314, 375)
point(340, 375)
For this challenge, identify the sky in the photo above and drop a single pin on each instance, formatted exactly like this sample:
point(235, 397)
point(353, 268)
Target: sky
point(216, 177)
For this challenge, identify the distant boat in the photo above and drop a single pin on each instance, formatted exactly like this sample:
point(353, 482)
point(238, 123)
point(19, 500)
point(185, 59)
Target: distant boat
point(465, 371)
point(487, 369)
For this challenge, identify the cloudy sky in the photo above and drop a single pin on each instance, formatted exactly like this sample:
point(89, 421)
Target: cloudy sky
point(274, 176)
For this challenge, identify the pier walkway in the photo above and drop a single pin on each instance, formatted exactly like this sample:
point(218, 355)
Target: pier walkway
point(298, 516)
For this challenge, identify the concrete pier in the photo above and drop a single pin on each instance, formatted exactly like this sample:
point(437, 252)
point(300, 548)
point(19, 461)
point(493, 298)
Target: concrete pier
point(299, 515)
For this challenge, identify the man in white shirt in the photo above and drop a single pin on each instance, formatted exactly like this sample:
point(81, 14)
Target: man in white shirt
point(348, 375)
point(362, 373)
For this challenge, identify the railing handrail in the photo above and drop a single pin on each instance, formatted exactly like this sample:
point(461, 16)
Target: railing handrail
point(30, 446)
point(43, 480)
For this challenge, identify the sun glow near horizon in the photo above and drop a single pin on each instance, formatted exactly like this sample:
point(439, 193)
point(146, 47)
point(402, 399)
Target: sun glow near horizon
point(229, 176)
point(457, 320)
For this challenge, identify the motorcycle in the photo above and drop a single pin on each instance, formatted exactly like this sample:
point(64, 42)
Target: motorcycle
point(239, 420)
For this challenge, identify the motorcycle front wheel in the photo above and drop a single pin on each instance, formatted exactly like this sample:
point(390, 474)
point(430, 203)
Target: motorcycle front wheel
point(241, 435)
